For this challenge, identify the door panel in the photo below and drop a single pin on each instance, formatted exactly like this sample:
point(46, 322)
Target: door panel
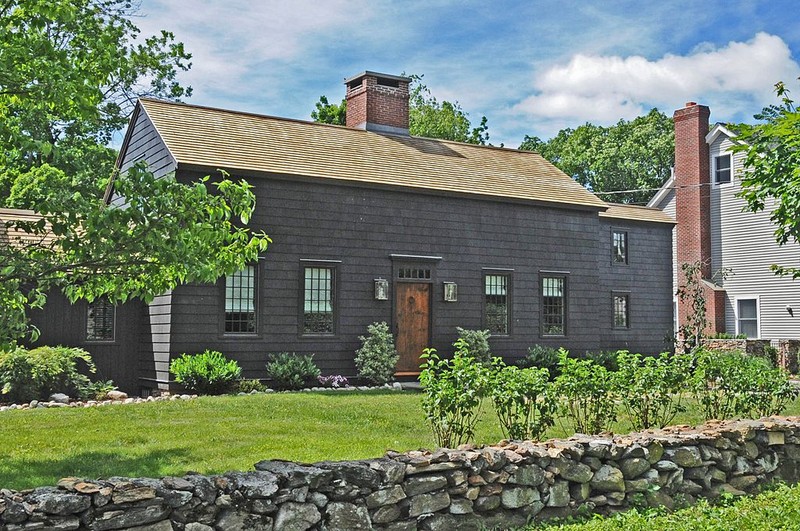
point(413, 323)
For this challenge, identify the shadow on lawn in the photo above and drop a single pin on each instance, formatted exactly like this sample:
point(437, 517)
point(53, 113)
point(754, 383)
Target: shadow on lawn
point(20, 474)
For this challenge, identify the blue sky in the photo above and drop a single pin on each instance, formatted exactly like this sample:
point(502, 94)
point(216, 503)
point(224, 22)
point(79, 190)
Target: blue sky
point(532, 67)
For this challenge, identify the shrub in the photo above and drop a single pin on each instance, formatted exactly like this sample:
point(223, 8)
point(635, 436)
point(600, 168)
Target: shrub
point(248, 386)
point(476, 344)
point(523, 400)
point(771, 353)
point(27, 375)
point(376, 360)
point(292, 372)
point(604, 358)
point(588, 393)
point(98, 390)
point(207, 373)
point(454, 389)
point(542, 357)
point(334, 380)
point(651, 388)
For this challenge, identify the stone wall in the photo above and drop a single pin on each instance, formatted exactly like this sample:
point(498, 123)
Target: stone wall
point(754, 347)
point(469, 488)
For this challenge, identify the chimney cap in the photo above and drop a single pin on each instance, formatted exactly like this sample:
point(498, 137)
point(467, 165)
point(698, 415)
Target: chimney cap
point(377, 74)
point(691, 103)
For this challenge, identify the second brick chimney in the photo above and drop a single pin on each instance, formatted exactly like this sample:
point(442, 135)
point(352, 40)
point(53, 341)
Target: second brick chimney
point(693, 208)
point(378, 102)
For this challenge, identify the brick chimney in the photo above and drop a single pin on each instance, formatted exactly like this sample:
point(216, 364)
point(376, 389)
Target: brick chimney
point(378, 102)
point(693, 208)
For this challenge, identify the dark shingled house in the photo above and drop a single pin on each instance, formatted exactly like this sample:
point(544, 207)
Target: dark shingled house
point(371, 224)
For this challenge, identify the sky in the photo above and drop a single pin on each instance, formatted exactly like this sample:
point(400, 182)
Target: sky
point(531, 67)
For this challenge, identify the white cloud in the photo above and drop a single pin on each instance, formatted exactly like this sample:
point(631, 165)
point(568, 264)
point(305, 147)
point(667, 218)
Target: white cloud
point(603, 89)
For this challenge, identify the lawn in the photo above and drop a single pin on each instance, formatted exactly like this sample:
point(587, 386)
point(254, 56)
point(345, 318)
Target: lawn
point(215, 434)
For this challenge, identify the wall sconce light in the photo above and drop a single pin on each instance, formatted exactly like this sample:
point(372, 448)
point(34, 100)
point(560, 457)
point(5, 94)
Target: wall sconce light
point(790, 310)
point(450, 292)
point(381, 289)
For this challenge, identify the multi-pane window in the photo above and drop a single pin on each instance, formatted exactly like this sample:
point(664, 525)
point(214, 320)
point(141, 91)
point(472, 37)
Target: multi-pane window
point(619, 247)
point(554, 305)
point(496, 288)
point(100, 320)
point(621, 302)
point(240, 301)
point(318, 301)
point(747, 317)
point(722, 169)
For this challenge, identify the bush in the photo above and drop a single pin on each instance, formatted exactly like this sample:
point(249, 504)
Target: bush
point(651, 388)
point(292, 372)
point(476, 344)
point(208, 373)
point(376, 360)
point(98, 390)
point(542, 357)
point(454, 390)
point(523, 400)
point(604, 358)
point(588, 393)
point(27, 375)
point(248, 386)
point(771, 354)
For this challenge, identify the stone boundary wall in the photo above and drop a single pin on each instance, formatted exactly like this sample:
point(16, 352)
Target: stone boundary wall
point(470, 488)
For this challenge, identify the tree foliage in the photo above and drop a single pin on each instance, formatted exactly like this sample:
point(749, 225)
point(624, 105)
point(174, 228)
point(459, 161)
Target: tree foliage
point(633, 157)
point(428, 117)
point(772, 175)
point(70, 71)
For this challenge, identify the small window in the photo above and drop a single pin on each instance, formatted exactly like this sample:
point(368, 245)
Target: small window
point(722, 169)
point(415, 273)
point(318, 303)
point(747, 317)
point(619, 247)
point(554, 305)
point(496, 292)
point(100, 315)
point(240, 301)
point(621, 302)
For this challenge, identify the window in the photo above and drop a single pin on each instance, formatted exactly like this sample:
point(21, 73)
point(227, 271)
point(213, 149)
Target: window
point(722, 169)
point(100, 315)
point(554, 290)
point(621, 302)
point(619, 247)
point(747, 317)
point(496, 291)
point(240, 301)
point(318, 300)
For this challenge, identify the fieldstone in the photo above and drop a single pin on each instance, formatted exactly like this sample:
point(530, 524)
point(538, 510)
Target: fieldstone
point(176, 498)
point(615, 498)
point(130, 517)
point(699, 472)
point(691, 487)
point(559, 494)
point(718, 475)
point(203, 487)
point(768, 461)
point(531, 475)
point(102, 497)
point(263, 506)
point(686, 456)
point(709, 453)
point(61, 503)
point(59, 398)
point(422, 484)
point(656, 498)
point(580, 491)
point(592, 462)
point(665, 466)
point(402, 526)
point(296, 475)
point(116, 395)
point(672, 480)
point(428, 503)
point(128, 492)
point(516, 497)
point(163, 525)
point(487, 503)
point(293, 516)
point(386, 514)
point(460, 506)
point(608, 479)
point(233, 519)
point(354, 473)
point(655, 451)
point(634, 467)
point(725, 488)
point(176, 483)
point(572, 471)
point(728, 460)
point(750, 450)
point(257, 484)
point(637, 485)
point(742, 467)
point(743, 482)
point(197, 526)
point(318, 499)
point(347, 516)
point(775, 437)
point(456, 477)
point(472, 493)
point(385, 497)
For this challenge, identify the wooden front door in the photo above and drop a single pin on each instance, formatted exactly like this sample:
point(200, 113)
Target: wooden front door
point(413, 330)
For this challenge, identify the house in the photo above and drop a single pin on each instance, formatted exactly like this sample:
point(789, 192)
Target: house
point(372, 224)
point(735, 246)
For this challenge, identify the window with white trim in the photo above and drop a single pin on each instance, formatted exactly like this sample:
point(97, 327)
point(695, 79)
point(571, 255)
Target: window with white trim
point(240, 301)
point(722, 169)
point(747, 317)
point(100, 316)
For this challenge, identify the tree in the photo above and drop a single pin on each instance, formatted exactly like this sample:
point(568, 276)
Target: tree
point(624, 163)
point(70, 71)
point(772, 175)
point(427, 116)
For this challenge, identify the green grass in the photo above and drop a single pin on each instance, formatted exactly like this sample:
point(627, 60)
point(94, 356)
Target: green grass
point(216, 434)
point(774, 509)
